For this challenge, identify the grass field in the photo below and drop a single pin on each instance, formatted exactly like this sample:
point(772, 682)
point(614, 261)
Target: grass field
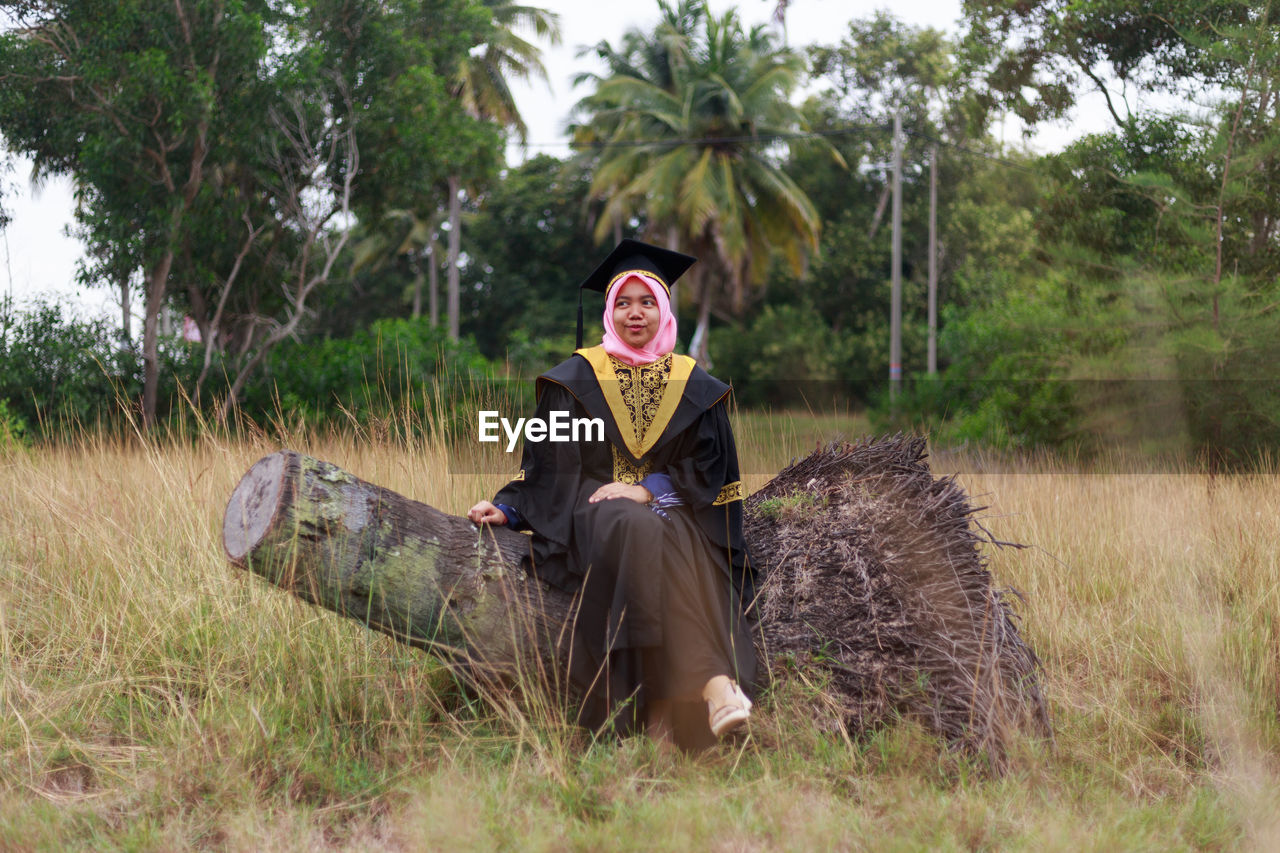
point(152, 698)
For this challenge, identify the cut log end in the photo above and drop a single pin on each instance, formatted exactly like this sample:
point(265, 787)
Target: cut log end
point(253, 506)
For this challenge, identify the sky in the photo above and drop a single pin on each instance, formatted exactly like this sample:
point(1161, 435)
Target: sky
point(39, 259)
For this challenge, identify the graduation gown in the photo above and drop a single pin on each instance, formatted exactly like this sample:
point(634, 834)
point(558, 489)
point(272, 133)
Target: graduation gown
point(662, 594)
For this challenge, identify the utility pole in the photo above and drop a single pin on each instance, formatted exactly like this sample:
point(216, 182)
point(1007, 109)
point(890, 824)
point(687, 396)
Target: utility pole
point(933, 260)
point(895, 299)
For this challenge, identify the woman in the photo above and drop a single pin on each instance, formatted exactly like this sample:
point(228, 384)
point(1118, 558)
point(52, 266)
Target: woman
point(646, 523)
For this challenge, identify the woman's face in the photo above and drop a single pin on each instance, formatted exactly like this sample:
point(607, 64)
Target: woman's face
point(635, 314)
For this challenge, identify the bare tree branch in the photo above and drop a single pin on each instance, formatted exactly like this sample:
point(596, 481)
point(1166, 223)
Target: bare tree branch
point(1097, 82)
point(323, 241)
point(227, 285)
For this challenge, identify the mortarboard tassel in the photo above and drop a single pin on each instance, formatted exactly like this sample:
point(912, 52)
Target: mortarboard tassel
point(579, 319)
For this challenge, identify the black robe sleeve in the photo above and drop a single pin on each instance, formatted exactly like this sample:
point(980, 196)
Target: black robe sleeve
point(703, 462)
point(703, 458)
point(549, 474)
point(547, 489)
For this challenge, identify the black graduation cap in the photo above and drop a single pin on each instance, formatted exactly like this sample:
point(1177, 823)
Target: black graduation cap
point(631, 256)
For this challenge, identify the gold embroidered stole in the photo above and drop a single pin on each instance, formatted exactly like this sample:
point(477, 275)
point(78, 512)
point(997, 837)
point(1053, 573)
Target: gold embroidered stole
point(641, 387)
point(642, 399)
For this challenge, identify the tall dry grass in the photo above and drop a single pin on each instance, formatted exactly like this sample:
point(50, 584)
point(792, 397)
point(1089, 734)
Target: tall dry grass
point(1156, 605)
point(152, 698)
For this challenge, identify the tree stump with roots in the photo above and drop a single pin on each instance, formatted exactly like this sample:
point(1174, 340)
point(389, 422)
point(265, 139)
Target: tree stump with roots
point(871, 576)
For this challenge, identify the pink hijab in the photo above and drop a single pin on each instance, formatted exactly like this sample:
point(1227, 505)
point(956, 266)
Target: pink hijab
point(663, 342)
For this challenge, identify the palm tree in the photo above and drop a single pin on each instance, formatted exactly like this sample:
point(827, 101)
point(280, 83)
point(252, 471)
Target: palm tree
point(687, 130)
point(481, 83)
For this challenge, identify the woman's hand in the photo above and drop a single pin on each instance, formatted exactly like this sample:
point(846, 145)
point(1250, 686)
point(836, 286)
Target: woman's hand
point(486, 513)
point(612, 491)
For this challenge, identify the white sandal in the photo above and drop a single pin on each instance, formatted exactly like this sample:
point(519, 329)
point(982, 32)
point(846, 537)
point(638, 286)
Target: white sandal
point(731, 715)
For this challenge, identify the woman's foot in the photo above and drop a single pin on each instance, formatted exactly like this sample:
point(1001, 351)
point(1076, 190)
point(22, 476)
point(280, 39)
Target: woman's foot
point(727, 706)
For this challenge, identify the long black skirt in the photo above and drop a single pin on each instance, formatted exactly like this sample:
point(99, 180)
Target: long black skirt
point(659, 617)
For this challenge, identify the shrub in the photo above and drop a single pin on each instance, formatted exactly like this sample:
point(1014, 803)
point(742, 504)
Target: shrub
point(57, 368)
point(787, 357)
point(1005, 385)
point(400, 370)
point(13, 429)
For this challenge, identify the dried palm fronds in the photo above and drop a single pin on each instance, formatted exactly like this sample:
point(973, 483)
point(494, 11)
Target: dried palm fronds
point(873, 573)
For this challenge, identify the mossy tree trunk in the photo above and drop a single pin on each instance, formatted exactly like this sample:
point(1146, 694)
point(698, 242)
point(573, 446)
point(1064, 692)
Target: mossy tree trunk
point(398, 566)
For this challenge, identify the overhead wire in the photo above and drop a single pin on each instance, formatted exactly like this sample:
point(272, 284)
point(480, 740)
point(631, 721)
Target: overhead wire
point(717, 140)
point(771, 138)
point(955, 146)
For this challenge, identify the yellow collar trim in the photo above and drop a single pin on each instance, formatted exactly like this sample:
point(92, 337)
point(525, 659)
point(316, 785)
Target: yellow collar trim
point(681, 369)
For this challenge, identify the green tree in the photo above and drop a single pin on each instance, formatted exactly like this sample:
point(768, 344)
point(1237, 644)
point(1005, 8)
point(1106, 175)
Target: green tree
point(1147, 319)
point(133, 99)
point(1036, 56)
point(481, 83)
point(881, 67)
point(690, 126)
point(527, 242)
point(220, 144)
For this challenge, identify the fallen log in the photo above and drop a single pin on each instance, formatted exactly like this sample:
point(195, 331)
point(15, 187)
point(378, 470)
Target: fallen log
point(401, 567)
point(872, 576)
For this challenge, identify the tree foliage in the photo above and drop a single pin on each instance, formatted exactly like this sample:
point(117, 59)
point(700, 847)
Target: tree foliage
point(837, 311)
point(131, 98)
point(527, 240)
point(1037, 57)
point(1142, 317)
point(217, 144)
point(279, 172)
